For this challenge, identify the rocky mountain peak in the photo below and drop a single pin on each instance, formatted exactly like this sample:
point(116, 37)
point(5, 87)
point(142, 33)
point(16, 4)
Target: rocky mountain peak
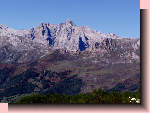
point(66, 36)
point(69, 22)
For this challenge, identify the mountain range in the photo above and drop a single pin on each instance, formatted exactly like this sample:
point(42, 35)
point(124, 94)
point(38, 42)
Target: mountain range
point(67, 59)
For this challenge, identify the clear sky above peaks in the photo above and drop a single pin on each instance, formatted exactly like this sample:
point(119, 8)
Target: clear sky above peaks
point(121, 17)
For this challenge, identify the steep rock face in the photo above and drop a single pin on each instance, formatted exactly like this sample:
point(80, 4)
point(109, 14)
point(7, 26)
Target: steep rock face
point(67, 36)
point(28, 45)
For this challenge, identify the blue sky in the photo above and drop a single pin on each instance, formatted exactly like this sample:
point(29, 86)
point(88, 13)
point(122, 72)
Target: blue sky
point(121, 17)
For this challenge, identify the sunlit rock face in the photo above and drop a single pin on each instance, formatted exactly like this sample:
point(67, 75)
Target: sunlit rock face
point(27, 45)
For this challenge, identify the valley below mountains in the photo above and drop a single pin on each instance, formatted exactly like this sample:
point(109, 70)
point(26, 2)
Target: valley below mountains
point(66, 59)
